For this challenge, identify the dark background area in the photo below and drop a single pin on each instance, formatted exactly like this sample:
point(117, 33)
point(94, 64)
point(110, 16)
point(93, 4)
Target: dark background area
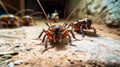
point(49, 6)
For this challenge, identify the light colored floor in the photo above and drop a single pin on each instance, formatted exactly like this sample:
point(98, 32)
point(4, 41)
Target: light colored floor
point(105, 47)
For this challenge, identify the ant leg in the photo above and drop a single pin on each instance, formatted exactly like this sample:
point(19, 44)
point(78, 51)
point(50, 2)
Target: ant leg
point(6, 26)
point(68, 25)
point(34, 22)
point(81, 30)
point(86, 26)
point(40, 34)
point(73, 35)
point(70, 40)
point(20, 22)
point(60, 39)
point(72, 28)
point(45, 46)
point(94, 30)
point(43, 39)
point(51, 47)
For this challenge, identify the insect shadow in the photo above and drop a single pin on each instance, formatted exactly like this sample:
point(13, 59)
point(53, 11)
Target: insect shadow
point(59, 46)
point(88, 33)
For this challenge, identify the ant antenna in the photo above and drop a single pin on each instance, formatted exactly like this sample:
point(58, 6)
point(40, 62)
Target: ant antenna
point(4, 7)
point(35, 13)
point(87, 9)
point(71, 13)
point(43, 11)
point(24, 10)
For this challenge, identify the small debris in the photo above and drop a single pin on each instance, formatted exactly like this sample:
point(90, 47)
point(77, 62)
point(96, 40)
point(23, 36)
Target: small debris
point(9, 53)
point(71, 62)
point(18, 62)
point(17, 44)
point(91, 40)
point(83, 65)
point(26, 63)
point(50, 57)
point(80, 60)
point(11, 64)
point(5, 57)
point(28, 49)
point(101, 29)
point(56, 66)
point(118, 34)
point(3, 64)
